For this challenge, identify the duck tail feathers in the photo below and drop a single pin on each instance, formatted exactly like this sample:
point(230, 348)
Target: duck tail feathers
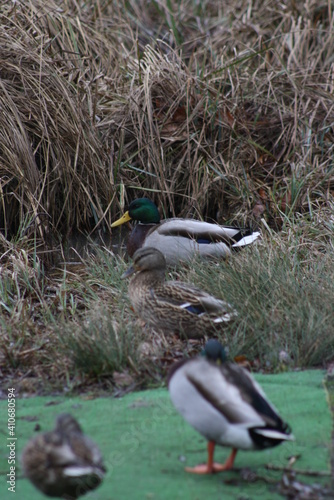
point(264, 437)
point(247, 240)
point(274, 434)
point(82, 470)
point(228, 316)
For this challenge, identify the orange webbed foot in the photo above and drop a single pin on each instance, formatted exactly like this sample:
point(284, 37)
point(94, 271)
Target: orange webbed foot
point(212, 467)
point(206, 469)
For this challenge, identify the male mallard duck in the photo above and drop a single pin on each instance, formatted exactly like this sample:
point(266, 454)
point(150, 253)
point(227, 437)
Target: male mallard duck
point(171, 305)
point(222, 401)
point(63, 463)
point(180, 239)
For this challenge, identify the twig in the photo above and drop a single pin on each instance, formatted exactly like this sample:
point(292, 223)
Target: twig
point(299, 471)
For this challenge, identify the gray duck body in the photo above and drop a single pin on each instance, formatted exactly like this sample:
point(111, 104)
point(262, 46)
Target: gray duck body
point(223, 402)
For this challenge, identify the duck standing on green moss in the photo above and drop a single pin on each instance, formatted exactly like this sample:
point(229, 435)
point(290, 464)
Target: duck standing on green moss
point(172, 306)
point(222, 401)
point(181, 239)
point(64, 462)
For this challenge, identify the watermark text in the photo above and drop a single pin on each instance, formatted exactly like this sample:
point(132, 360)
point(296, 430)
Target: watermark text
point(11, 441)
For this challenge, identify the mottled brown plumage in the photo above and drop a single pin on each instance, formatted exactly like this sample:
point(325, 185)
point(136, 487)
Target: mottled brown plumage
point(173, 306)
point(64, 462)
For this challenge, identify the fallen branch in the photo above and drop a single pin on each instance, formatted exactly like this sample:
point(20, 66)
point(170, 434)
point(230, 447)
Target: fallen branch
point(299, 471)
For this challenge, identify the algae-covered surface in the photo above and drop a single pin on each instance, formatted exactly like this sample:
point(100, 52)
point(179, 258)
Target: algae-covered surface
point(146, 444)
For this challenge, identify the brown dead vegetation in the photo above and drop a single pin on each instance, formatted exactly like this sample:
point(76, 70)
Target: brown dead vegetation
point(221, 110)
point(211, 109)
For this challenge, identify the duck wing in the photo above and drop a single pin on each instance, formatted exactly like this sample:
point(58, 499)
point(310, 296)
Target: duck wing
point(205, 232)
point(232, 391)
point(211, 383)
point(252, 394)
point(182, 239)
point(194, 300)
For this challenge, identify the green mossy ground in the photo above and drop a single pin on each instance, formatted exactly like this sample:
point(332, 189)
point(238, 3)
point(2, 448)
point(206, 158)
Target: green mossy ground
point(146, 444)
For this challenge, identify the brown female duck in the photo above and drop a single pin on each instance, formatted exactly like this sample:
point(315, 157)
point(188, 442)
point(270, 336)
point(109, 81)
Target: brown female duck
point(64, 462)
point(172, 306)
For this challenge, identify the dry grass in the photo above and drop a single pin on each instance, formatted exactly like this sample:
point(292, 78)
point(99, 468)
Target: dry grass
point(221, 110)
point(72, 327)
point(282, 290)
point(218, 110)
point(53, 167)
